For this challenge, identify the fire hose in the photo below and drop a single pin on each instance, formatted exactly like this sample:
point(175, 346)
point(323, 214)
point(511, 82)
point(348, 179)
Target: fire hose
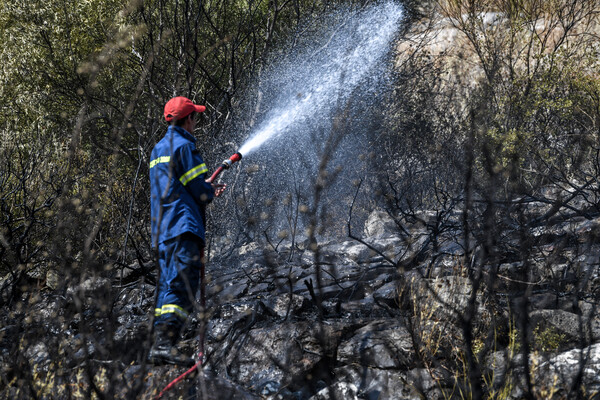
point(225, 165)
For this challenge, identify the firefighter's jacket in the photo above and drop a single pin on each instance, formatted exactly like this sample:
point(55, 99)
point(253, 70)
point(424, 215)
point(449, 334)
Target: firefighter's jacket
point(179, 192)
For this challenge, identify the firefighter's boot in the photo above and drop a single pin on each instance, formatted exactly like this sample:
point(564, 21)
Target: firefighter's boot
point(164, 351)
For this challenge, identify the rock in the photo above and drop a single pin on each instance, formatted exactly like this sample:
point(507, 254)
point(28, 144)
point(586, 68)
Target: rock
point(250, 248)
point(362, 348)
point(352, 251)
point(90, 289)
point(511, 269)
point(441, 299)
point(347, 291)
point(286, 304)
point(339, 390)
point(268, 389)
point(376, 384)
point(228, 315)
point(131, 337)
point(496, 367)
point(258, 289)
point(94, 284)
point(388, 294)
point(380, 384)
point(554, 376)
point(85, 347)
point(543, 301)
point(345, 252)
point(333, 274)
point(561, 371)
point(6, 288)
point(587, 230)
point(228, 289)
point(47, 311)
point(282, 352)
point(362, 310)
point(380, 344)
point(379, 224)
point(331, 307)
point(589, 308)
point(38, 355)
point(421, 379)
point(390, 246)
point(564, 327)
point(53, 279)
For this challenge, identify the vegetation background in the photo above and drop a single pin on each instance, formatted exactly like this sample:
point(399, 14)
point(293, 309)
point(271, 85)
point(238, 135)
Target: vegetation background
point(495, 105)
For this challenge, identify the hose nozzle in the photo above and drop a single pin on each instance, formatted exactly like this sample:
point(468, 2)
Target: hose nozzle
point(226, 165)
point(234, 158)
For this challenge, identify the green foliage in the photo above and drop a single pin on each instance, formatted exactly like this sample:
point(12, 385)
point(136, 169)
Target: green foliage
point(44, 43)
point(548, 339)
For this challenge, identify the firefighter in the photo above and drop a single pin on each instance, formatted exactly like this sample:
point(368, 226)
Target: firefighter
point(179, 196)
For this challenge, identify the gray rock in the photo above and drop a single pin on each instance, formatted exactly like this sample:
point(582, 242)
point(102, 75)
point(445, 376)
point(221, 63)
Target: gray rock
point(346, 252)
point(91, 285)
point(332, 306)
point(363, 310)
point(337, 391)
point(46, 311)
point(286, 304)
point(228, 290)
point(442, 298)
point(388, 294)
point(421, 378)
point(89, 289)
point(511, 269)
point(331, 274)
point(53, 279)
point(561, 371)
point(378, 384)
point(259, 288)
point(380, 344)
point(250, 248)
point(496, 367)
point(38, 355)
point(378, 224)
point(543, 301)
point(571, 327)
point(281, 353)
point(268, 389)
point(589, 308)
point(391, 247)
point(227, 316)
point(553, 376)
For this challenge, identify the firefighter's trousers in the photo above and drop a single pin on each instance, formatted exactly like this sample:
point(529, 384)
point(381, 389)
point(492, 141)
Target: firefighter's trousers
point(180, 261)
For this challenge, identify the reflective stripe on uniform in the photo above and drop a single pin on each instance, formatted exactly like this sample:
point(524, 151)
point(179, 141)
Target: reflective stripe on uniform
point(172, 309)
point(160, 160)
point(157, 312)
point(193, 173)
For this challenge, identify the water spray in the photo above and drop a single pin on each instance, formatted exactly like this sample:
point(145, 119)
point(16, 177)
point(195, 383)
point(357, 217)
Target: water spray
point(306, 93)
point(313, 88)
point(225, 165)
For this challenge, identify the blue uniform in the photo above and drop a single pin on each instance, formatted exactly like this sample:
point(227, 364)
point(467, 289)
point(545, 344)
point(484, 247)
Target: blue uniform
point(179, 195)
